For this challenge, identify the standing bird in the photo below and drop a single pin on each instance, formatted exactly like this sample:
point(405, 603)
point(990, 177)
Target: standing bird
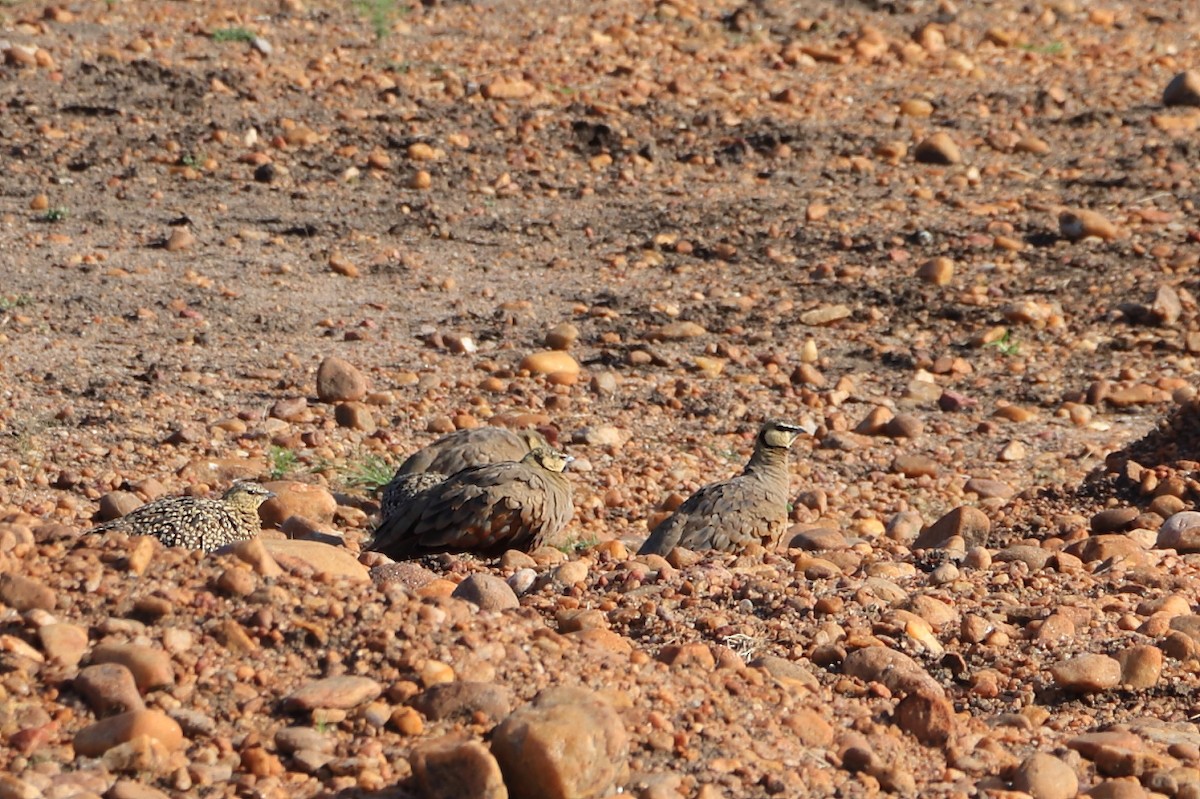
point(732, 514)
point(197, 523)
point(451, 454)
point(490, 508)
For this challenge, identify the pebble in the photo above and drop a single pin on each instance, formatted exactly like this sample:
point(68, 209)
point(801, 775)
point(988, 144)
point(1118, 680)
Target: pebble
point(1077, 224)
point(568, 742)
point(1141, 666)
point(572, 572)
point(151, 668)
point(334, 693)
point(678, 331)
point(354, 416)
point(939, 148)
point(604, 435)
point(988, 489)
point(915, 466)
point(927, 715)
point(1113, 520)
point(293, 498)
point(1183, 89)
point(116, 504)
point(462, 699)
point(63, 643)
point(108, 688)
point(816, 539)
point(562, 336)
point(487, 591)
point(1088, 673)
point(453, 768)
point(904, 425)
point(970, 524)
point(96, 739)
point(549, 362)
point(254, 553)
point(320, 557)
point(825, 315)
point(1044, 776)
point(1180, 531)
point(131, 789)
point(1118, 789)
point(293, 739)
point(24, 593)
point(407, 573)
point(896, 670)
point(340, 381)
point(937, 271)
point(508, 89)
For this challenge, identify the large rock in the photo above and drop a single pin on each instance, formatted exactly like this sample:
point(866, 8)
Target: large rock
point(463, 699)
point(899, 672)
point(566, 744)
point(340, 381)
point(297, 499)
point(487, 591)
point(320, 557)
point(96, 739)
point(337, 693)
point(108, 688)
point(151, 668)
point(971, 524)
point(1044, 776)
point(452, 768)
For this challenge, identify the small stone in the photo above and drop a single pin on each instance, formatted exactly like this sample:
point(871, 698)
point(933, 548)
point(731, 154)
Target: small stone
point(572, 572)
point(894, 669)
point(254, 553)
point(1141, 666)
point(568, 742)
point(487, 591)
point(1113, 520)
point(63, 643)
point(1184, 89)
point(562, 336)
point(1166, 307)
point(604, 384)
point(1121, 789)
point(24, 593)
point(354, 416)
point(108, 688)
point(677, 331)
point(966, 522)
point(1044, 776)
point(96, 739)
point(549, 362)
point(938, 149)
point(875, 421)
point(131, 789)
point(151, 668)
point(1087, 673)
point(293, 739)
point(336, 693)
point(1079, 223)
point(915, 466)
point(463, 699)
point(926, 715)
point(294, 498)
point(904, 425)
point(505, 89)
point(604, 435)
point(181, 238)
point(938, 271)
point(1181, 532)
point(825, 315)
point(989, 489)
point(340, 381)
point(407, 573)
point(452, 768)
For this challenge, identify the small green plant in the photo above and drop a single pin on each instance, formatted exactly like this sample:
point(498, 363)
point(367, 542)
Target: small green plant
point(372, 472)
point(282, 462)
point(381, 14)
point(192, 160)
point(1053, 48)
point(16, 301)
point(233, 35)
point(578, 545)
point(1005, 345)
point(55, 214)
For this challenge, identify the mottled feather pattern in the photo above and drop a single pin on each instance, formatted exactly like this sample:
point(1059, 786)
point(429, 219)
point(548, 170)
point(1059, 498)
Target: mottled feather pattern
point(196, 522)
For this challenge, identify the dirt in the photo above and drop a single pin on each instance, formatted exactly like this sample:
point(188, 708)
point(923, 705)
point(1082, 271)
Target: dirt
point(202, 202)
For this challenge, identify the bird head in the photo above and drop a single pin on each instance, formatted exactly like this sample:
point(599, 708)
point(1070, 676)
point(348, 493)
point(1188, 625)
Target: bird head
point(550, 459)
point(776, 434)
point(247, 493)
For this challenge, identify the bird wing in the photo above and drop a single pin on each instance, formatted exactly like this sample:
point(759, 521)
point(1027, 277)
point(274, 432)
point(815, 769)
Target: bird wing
point(483, 507)
point(723, 516)
point(457, 451)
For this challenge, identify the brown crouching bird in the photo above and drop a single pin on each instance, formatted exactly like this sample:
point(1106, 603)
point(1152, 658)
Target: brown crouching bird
point(451, 454)
point(485, 509)
point(751, 508)
point(195, 522)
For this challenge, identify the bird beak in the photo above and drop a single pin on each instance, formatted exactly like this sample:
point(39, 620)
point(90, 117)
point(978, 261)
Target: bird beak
point(568, 459)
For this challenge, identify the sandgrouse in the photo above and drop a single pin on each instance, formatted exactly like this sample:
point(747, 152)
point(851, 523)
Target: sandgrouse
point(451, 454)
point(730, 515)
point(485, 509)
point(197, 523)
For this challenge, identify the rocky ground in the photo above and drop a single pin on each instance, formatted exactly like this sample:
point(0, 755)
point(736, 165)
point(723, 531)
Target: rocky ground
point(958, 241)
